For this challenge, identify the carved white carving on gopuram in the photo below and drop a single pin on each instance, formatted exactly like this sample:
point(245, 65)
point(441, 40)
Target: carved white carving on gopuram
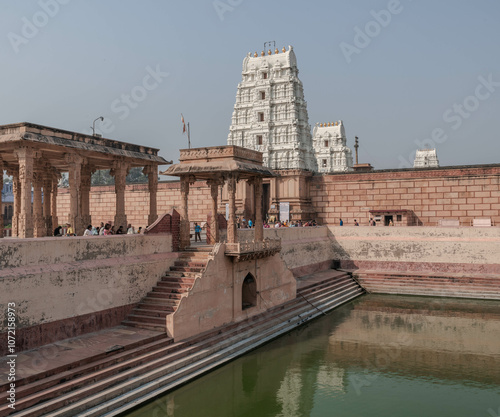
point(330, 148)
point(426, 158)
point(270, 114)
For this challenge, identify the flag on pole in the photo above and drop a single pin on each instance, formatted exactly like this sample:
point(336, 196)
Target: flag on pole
point(183, 124)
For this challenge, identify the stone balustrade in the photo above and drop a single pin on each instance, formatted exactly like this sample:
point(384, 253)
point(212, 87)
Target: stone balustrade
point(247, 250)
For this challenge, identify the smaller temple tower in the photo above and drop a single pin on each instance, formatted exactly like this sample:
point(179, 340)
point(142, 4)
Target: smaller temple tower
point(426, 158)
point(332, 154)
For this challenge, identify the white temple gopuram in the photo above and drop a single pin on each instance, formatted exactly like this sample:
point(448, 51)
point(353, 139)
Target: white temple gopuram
point(270, 116)
point(426, 158)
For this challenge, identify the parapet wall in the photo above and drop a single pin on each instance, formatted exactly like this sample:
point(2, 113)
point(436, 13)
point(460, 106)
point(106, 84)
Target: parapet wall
point(433, 249)
point(459, 250)
point(66, 286)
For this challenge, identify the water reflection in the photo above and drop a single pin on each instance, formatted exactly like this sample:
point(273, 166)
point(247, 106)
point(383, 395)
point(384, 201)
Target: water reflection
point(377, 356)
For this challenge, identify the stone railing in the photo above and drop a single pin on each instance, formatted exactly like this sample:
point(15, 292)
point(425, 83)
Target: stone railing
point(247, 250)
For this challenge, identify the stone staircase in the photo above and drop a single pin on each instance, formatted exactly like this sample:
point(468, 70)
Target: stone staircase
point(113, 384)
point(166, 295)
point(485, 286)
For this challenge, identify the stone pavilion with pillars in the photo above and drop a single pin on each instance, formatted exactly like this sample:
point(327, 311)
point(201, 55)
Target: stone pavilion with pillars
point(36, 156)
point(220, 166)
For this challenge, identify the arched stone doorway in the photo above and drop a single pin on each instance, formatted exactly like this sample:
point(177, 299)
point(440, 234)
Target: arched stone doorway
point(249, 292)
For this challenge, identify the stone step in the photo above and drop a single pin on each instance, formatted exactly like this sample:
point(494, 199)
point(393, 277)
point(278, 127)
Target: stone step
point(435, 293)
point(186, 269)
point(191, 263)
point(155, 307)
point(151, 312)
point(174, 286)
point(156, 301)
point(168, 292)
point(432, 284)
point(141, 325)
point(45, 380)
point(182, 274)
point(150, 320)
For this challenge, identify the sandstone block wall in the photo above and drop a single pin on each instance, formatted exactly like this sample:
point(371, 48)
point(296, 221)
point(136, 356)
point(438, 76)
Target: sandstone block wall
point(102, 202)
point(462, 193)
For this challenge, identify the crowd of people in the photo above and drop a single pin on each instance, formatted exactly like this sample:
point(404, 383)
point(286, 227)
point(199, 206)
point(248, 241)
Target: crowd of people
point(243, 224)
point(105, 229)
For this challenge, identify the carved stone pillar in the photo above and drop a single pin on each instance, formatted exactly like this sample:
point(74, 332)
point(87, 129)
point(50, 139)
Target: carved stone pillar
point(152, 172)
point(259, 225)
point(1, 188)
point(185, 231)
point(47, 200)
point(53, 201)
point(16, 189)
point(231, 224)
point(25, 219)
point(75, 182)
point(120, 171)
point(85, 195)
point(38, 223)
point(214, 222)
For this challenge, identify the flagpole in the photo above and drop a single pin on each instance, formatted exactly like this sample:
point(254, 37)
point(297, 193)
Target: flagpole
point(189, 138)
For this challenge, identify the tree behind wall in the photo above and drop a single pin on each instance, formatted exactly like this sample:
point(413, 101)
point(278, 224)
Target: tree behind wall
point(103, 177)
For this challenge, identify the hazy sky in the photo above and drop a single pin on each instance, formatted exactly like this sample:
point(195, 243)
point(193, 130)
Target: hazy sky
point(401, 74)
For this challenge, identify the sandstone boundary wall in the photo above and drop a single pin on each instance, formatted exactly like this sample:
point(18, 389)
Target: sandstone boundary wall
point(460, 193)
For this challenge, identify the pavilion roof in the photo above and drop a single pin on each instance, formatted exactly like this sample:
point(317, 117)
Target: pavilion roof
point(205, 163)
point(54, 143)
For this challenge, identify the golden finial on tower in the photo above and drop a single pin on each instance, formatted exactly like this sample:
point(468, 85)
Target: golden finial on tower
point(321, 125)
point(276, 51)
point(262, 53)
point(255, 55)
point(284, 49)
point(269, 52)
point(329, 124)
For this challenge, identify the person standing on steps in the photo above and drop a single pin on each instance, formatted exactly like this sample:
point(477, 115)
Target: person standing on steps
point(197, 232)
point(341, 223)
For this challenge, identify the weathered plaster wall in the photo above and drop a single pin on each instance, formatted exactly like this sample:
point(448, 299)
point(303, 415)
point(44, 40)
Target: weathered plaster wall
point(54, 282)
point(304, 249)
point(461, 250)
point(216, 298)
